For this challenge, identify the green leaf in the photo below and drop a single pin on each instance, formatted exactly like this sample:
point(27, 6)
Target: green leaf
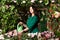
point(12, 7)
point(18, 1)
point(3, 8)
point(46, 2)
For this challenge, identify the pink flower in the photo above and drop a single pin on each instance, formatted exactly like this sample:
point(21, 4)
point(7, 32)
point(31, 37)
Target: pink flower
point(14, 32)
point(48, 35)
point(53, 15)
point(45, 32)
point(10, 33)
point(32, 35)
point(42, 33)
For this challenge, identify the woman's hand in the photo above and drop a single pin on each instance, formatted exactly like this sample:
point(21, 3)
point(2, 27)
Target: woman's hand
point(21, 23)
point(26, 29)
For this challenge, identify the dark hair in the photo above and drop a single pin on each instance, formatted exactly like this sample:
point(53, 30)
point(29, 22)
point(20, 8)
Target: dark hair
point(35, 8)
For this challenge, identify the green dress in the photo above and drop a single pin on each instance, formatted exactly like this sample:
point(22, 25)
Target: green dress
point(32, 24)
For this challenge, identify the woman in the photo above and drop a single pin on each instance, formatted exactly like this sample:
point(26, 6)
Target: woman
point(31, 24)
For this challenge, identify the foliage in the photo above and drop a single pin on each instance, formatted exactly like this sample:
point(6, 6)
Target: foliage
point(8, 15)
point(12, 11)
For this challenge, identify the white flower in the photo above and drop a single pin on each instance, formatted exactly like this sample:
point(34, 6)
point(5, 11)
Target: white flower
point(26, 39)
point(32, 35)
point(2, 37)
point(39, 35)
point(6, 34)
point(40, 1)
point(14, 1)
point(32, 1)
point(7, 39)
point(0, 30)
point(57, 14)
point(35, 33)
point(7, 6)
point(53, 1)
point(29, 34)
point(52, 39)
point(23, 1)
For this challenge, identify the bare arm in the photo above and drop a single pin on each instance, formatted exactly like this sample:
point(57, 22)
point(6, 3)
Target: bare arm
point(26, 28)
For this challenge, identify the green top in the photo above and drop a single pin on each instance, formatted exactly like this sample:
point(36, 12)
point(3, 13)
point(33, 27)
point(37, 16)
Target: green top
point(32, 24)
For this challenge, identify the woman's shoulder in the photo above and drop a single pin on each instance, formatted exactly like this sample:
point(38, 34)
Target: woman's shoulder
point(35, 17)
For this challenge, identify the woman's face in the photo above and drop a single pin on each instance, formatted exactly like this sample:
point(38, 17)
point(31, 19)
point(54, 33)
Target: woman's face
point(31, 10)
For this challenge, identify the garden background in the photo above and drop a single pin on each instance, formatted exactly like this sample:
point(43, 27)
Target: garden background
point(12, 11)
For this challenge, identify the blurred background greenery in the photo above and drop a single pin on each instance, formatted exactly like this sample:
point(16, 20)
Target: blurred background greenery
point(12, 11)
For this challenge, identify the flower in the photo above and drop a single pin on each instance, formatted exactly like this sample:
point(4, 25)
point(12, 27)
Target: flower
point(56, 38)
point(57, 14)
point(2, 37)
point(9, 33)
point(29, 34)
point(32, 1)
point(40, 1)
point(14, 32)
point(32, 35)
point(45, 32)
point(39, 35)
point(8, 36)
point(50, 10)
point(14, 1)
point(53, 1)
point(48, 35)
point(53, 15)
point(52, 39)
point(0, 31)
point(42, 33)
point(7, 6)
point(35, 33)
point(23, 1)
point(26, 39)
